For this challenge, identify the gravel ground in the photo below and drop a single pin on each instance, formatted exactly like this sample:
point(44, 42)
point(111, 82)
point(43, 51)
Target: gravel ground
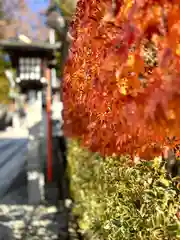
point(23, 215)
point(28, 222)
point(20, 220)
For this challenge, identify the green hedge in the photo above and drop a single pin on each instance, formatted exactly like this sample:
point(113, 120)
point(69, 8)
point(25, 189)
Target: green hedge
point(122, 202)
point(4, 84)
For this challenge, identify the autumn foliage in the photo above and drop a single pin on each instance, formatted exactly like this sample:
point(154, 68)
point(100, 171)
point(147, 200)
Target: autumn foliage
point(122, 77)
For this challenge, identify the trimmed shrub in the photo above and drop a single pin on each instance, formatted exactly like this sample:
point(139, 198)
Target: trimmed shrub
point(117, 201)
point(4, 84)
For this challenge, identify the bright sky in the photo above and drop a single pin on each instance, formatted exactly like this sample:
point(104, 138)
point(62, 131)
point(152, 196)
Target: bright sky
point(37, 5)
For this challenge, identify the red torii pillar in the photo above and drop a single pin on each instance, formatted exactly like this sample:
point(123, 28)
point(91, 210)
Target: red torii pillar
point(49, 126)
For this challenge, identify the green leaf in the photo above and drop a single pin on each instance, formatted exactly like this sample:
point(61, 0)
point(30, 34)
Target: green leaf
point(173, 227)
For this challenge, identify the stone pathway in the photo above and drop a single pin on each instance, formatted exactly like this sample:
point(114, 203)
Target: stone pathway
point(29, 222)
point(23, 213)
point(33, 223)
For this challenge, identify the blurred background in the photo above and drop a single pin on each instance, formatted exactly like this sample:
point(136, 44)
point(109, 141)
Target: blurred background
point(34, 42)
point(25, 20)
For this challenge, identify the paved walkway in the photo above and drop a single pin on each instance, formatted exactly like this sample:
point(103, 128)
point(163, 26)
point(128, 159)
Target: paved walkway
point(23, 213)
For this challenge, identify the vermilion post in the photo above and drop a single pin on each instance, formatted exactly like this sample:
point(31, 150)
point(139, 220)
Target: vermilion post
point(49, 127)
